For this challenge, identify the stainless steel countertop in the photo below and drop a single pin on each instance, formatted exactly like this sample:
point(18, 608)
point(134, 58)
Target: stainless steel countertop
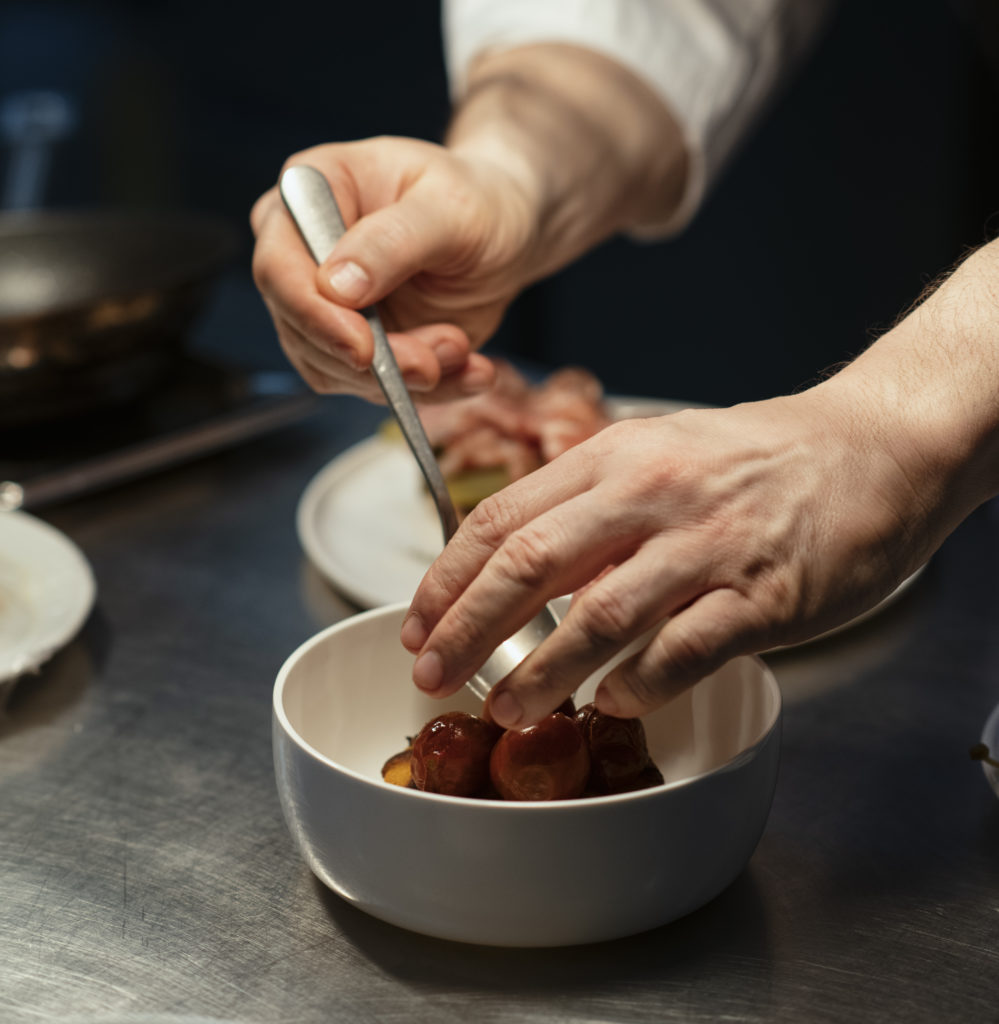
point(146, 869)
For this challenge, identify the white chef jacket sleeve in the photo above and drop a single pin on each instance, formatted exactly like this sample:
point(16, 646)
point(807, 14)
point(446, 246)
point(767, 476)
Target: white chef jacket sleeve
point(713, 62)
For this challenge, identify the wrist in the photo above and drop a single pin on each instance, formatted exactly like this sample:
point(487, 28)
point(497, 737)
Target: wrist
point(592, 150)
point(929, 389)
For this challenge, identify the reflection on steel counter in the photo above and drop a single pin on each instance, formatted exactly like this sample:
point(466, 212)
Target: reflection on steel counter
point(201, 409)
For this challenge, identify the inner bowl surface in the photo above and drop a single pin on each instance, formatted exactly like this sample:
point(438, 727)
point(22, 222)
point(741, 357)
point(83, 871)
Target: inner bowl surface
point(505, 873)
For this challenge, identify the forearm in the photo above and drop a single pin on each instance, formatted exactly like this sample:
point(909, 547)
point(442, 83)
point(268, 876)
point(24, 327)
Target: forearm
point(930, 391)
point(591, 148)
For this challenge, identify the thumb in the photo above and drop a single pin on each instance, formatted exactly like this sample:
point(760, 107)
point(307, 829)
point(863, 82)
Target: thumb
point(382, 250)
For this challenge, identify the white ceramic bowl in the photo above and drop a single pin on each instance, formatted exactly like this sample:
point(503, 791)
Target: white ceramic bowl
point(503, 873)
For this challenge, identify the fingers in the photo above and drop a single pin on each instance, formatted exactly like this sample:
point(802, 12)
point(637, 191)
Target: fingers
point(480, 594)
point(433, 379)
point(421, 241)
point(482, 533)
point(726, 533)
point(696, 640)
point(692, 644)
point(385, 248)
point(284, 273)
point(555, 532)
point(606, 616)
point(324, 373)
point(437, 363)
point(331, 346)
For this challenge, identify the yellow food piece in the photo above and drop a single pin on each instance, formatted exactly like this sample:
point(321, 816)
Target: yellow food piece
point(389, 430)
point(466, 488)
point(396, 770)
point(470, 486)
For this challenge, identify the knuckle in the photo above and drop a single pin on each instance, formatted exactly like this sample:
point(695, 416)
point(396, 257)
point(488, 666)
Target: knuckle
point(260, 210)
point(686, 652)
point(492, 520)
point(466, 626)
point(781, 597)
point(606, 617)
point(309, 323)
point(314, 377)
point(546, 682)
point(527, 558)
point(262, 269)
point(294, 160)
point(317, 380)
point(644, 686)
point(397, 238)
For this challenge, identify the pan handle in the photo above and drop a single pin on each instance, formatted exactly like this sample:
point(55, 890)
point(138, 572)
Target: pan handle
point(32, 123)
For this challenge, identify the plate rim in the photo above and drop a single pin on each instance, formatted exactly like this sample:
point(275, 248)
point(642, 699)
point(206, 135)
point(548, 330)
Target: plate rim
point(990, 737)
point(73, 561)
point(358, 454)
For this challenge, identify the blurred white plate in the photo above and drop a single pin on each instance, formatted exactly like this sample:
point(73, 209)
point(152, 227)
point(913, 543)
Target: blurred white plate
point(46, 592)
point(368, 525)
point(990, 737)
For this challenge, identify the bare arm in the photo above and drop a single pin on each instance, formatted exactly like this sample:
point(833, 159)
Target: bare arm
point(593, 148)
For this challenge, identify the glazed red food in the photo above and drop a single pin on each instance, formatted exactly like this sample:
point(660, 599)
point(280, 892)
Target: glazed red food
point(547, 761)
point(567, 755)
point(451, 754)
point(619, 755)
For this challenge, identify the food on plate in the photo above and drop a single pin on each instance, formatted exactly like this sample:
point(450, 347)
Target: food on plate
point(567, 755)
point(489, 440)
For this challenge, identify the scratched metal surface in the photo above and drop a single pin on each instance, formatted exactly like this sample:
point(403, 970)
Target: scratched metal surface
point(147, 875)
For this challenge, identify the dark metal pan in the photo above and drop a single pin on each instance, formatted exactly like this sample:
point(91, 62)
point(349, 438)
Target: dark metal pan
point(94, 306)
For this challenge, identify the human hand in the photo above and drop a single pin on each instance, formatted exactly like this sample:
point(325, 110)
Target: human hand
point(439, 240)
point(720, 531)
point(553, 149)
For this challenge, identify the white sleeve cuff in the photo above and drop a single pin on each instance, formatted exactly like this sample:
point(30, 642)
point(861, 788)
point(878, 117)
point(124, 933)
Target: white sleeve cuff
point(713, 62)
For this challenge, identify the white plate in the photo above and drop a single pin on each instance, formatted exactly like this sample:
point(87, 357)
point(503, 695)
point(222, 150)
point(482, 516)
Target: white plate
point(46, 592)
point(990, 737)
point(368, 525)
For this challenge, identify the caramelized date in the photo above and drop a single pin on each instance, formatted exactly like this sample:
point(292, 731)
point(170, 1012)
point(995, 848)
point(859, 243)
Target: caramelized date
point(619, 756)
point(547, 761)
point(451, 754)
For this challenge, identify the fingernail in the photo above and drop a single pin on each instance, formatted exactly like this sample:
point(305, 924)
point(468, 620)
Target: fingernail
point(477, 378)
point(606, 703)
point(350, 282)
point(349, 355)
point(415, 380)
point(428, 671)
point(413, 633)
point(449, 354)
point(506, 709)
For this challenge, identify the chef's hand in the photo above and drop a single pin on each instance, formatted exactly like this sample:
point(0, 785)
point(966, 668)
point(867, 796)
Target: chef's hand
point(438, 240)
point(720, 531)
point(553, 149)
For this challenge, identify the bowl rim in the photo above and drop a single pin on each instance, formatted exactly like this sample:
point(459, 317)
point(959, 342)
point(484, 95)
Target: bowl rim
point(742, 757)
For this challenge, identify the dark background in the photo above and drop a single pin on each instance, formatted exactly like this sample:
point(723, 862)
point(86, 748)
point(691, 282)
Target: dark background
point(873, 171)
